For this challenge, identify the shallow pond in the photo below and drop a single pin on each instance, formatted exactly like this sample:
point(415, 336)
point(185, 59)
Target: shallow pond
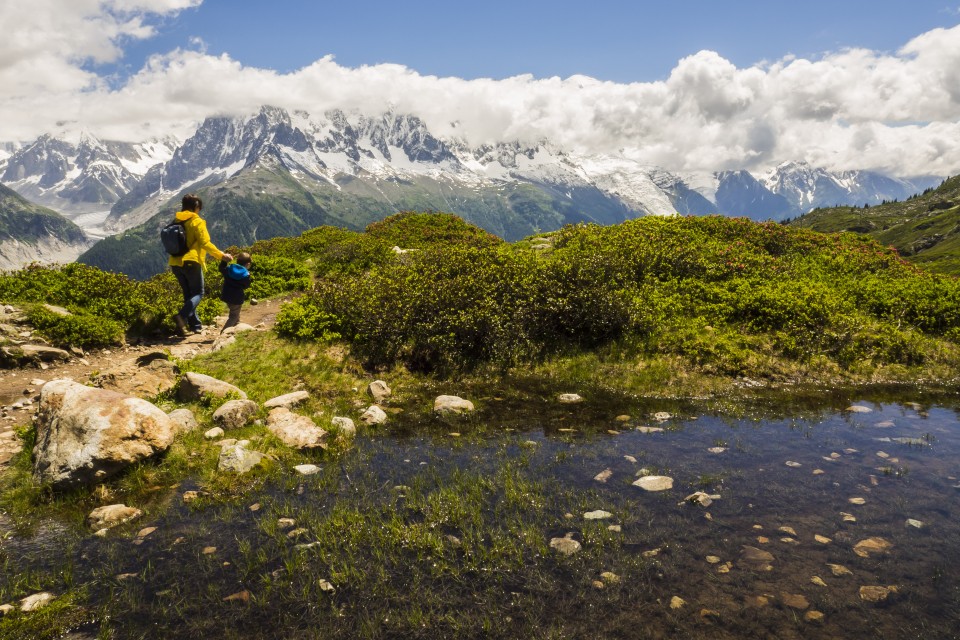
point(442, 529)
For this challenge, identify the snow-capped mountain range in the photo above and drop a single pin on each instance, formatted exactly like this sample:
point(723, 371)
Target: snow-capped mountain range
point(390, 157)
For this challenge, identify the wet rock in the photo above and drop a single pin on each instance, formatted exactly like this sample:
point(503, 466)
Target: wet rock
point(650, 429)
point(916, 524)
point(654, 483)
point(196, 386)
point(598, 584)
point(700, 498)
point(344, 426)
point(207, 551)
point(676, 602)
point(822, 539)
point(610, 577)
point(566, 545)
point(709, 614)
point(876, 594)
point(326, 586)
point(886, 424)
point(839, 570)
point(374, 415)
point(85, 435)
point(379, 391)
point(36, 601)
point(848, 517)
point(603, 476)
point(817, 580)
point(818, 472)
point(812, 616)
point(238, 459)
point(661, 416)
point(756, 559)
point(871, 546)
point(146, 531)
point(569, 398)
point(235, 414)
point(717, 449)
point(622, 418)
point(211, 434)
point(183, 420)
point(756, 602)
point(112, 515)
point(288, 400)
point(452, 404)
point(294, 430)
point(794, 601)
point(6, 609)
point(286, 523)
point(791, 463)
point(296, 533)
point(857, 501)
point(597, 515)
point(788, 530)
point(713, 559)
point(630, 459)
point(859, 408)
point(615, 528)
point(725, 567)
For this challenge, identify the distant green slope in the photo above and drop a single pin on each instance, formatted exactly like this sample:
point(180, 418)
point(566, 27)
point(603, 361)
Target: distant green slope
point(925, 229)
point(262, 203)
point(27, 222)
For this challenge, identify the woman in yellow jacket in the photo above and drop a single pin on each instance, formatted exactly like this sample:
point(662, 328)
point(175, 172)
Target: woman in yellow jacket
point(188, 269)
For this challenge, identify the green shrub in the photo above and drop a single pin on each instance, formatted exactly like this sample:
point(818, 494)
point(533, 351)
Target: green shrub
point(303, 319)
point(75, 330)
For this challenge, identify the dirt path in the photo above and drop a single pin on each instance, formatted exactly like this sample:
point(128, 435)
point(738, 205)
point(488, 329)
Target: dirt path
point(19, 388)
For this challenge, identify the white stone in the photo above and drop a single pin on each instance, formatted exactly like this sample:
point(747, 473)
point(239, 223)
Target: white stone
point(597, 515)
point(452, 404)
point(570, 398)
point(379, 391)
point(344, 425)
point(112, 515)
point(295, 430)
point(374, 415)
point(287, 400)
point(213, 433)
point(654, 483)
point(36, 601)
point(307, 469)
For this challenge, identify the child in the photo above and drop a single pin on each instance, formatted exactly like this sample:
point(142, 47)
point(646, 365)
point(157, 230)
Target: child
point(236, 278)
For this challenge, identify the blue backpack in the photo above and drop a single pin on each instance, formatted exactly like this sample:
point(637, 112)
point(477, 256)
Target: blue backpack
point(174, 238)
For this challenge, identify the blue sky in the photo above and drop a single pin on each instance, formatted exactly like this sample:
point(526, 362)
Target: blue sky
point(605, 39)
point(688, 85)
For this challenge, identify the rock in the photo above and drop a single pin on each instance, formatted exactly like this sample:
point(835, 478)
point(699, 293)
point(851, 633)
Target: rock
point(452, 404)
point(756, 602)
point(791, 463)
point(661, 416)
point(209, 551)
point(857, 501)
point(190, 496)
point(794, 601)
point(344, 425)
point(294, 430)
point(839, 570)
point(615, 528)
point(597, 515)
point(213, 433)
point(85, 434)
point(307, 469)
point(235, 414)
point(871, 545)
point(822, 539)
point(886, 424)
point(817, 580)
point(654, 483)
point(238, 328)
point(6, 609)
point(858, 408)
point(609, 576)
point(37, 353)
point(813, 616)
point(788, 530)
point(238, 459)
point(566, 545)
point(676, 602)
point(374, 415)
point(286, 523)
point(916, 524)
point(239, 596)
point(326, 585)
point(143, 533)
point(713, 559)
point(700, 498)
point(622, 418)
point(112, 515)
point(195, 386)
point(876, 593)
point(379, 391)
point(151, 374)
point(717, 449)
point(650, 429)
point(183, 420)
point(288, 400)
point(603, 476)
point(756, 559)
point(36, 601)
point(569, 398)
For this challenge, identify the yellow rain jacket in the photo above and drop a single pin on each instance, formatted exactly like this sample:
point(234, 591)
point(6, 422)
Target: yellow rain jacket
point(198, 241)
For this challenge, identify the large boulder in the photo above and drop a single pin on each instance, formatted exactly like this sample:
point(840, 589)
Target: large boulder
point(196, 386)
point(86, 434)
point(294, 430)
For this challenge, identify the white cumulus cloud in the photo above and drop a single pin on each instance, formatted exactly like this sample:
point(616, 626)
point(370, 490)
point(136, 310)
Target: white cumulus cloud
point(897, 112)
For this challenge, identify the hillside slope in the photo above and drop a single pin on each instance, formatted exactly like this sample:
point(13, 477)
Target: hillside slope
point(925, 229)
point(29, 232)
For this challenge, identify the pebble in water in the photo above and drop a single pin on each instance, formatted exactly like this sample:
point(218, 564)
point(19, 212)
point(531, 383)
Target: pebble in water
point(654, 483)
